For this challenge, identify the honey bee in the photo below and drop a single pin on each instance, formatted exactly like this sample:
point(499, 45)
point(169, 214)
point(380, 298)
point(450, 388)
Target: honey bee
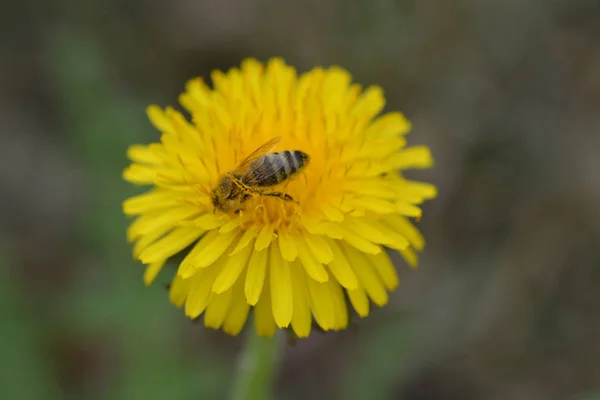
point(259, 172)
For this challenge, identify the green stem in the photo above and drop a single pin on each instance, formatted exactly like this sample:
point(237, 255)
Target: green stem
point(257, 366)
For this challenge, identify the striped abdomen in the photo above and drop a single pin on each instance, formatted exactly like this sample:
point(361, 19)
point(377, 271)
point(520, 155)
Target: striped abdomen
point(275, 168)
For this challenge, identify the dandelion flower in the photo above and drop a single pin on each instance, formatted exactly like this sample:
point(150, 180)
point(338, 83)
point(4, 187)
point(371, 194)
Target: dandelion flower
point(288, 261)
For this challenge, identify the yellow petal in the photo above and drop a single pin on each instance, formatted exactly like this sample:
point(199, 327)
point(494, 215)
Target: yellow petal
point(238, 311)
point(395, 239)
point(375, 205)
point(319, 247)
point(245, 240)
point(412, 157)
point(208, 250)
point(340, 267)
point(133, 231)
point(178, 291)
point(312, 266)
point(377, 233)
point(220, 82)
point(408, 210)
point(263, 316)
point(147, 239)
point(335, 88)
point(255, 276)
point(230, 226)
point(231, 270)
point(384, 267)
point(372, 188)
point(209, 221)
point(287, 246)
point(419, 189)
point(410, 256)
point(152, 271)
point(321, 302)
point(380, 149)
point(281, 288)
point(370, 103)
point(200, 289)
point(333, 230)
point(140, 174)
point(264, 237)
point(149, 201)
point(187, 132)
point(168, 246)
point(330, 229)
point(389, 125)
point(407, 229)
point(301, 317)
point(191, 255)
point(360, 242)
point(170, 217)
point(339, 305)
point(367, 276)
point(217, 308)
point(142, 154)
point(199, 91)
point(159, 119)
point(360, 301)
point(332, 213)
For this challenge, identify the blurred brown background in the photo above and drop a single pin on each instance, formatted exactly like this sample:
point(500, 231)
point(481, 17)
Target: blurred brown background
point(506, 303)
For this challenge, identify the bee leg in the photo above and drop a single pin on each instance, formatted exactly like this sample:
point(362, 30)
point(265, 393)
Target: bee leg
point(281, 195)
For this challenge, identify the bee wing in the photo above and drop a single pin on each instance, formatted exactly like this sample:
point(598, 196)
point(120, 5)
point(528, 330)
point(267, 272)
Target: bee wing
point(261, 151)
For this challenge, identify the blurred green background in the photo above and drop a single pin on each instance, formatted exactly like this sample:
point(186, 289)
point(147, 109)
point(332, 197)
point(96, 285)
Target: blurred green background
point(506, 303)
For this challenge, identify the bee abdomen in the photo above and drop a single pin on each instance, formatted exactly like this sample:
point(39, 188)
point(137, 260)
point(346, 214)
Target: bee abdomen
point(290, 161)
point(279, 167)
point(296, 159)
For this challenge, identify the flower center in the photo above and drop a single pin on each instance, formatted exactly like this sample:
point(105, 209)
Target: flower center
point(282, 215)
point(302, 195)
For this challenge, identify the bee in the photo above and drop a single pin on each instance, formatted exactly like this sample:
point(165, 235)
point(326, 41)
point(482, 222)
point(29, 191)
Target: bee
point(256, 175)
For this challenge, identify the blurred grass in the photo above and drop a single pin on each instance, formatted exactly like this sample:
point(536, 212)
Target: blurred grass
point(26, 374)
point(383, 360)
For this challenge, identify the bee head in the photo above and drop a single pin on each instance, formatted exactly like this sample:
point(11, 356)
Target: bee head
point(216, 200)
point(225, 196)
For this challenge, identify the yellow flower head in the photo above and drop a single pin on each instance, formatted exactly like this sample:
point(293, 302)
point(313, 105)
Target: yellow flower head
point(297, 233)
